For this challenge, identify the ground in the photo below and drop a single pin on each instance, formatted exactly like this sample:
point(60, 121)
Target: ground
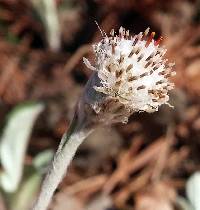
point(143, 165)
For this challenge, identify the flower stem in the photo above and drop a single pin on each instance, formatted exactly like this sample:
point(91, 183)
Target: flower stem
point(66, 151)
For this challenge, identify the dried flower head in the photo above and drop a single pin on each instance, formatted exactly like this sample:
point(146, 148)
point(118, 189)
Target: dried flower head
point(133, 72)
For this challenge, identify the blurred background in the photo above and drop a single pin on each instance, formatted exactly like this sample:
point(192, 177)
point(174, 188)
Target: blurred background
point(151, 163)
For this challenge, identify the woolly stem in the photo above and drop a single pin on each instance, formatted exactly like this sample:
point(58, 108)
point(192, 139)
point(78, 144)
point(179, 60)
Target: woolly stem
point(66, 151)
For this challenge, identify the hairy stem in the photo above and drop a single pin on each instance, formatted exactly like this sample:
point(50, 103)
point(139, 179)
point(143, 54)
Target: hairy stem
point(66, 151)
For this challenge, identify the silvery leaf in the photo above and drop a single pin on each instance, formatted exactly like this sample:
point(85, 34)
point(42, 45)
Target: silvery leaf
point(193, 190)
point(14, 142)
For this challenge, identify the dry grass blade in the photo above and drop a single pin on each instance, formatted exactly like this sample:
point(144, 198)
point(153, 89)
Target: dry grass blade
point(87, 184)
point(133, 186)
point(77, 57)
point(164, 154)
point(140, 160)
point(82, 190)
point(7, 74)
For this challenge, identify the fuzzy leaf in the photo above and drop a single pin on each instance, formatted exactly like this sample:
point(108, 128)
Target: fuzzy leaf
point(23, 198)
point(41, 161)
point(183, 204)
point(14, 143)
point(193, 190)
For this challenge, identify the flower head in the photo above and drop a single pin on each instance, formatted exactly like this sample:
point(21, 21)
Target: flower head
point(132, 71)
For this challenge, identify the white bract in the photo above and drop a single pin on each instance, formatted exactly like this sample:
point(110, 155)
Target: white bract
point(133, 70)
